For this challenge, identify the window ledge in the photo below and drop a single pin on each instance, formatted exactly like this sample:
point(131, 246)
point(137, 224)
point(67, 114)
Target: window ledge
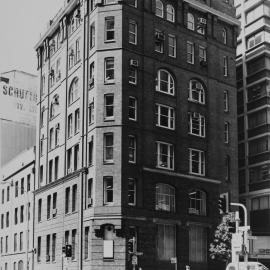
point(108, 162)
point(109, 82)
point(110, 41)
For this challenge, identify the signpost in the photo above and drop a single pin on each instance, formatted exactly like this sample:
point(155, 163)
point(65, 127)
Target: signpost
point(174, 261)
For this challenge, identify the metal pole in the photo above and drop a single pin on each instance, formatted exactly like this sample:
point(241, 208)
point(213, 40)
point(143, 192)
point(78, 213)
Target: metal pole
point(246, 229)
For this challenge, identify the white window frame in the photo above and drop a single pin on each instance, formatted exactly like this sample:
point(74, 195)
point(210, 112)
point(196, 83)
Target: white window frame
point(105, 189)
point(198, 90)
point(70, 125)
point(133, 5)
point(134, 191)
point(225, 66)
point(159, 43)
point(133, 108)
point(165, 197)
point(190, 21)
point(224, 36)
point(202, 53)
point(132, 75)
point(170, 116)
point(226, 100)
point(198, 198)
point(170, 16)
point(169, 164)
point(226, 132)
point(108, 147)
point(159, 9)
point(200, 162)
point(77, 121)
point(107, 30)
point(196, 122)
point(106, 105)
point(190, 52)
point(170, 82)
point(173, 45)
point(132, 33)
point(132, 148)
point(106, 62)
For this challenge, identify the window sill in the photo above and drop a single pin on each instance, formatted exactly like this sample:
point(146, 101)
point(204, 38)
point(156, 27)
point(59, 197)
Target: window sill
point(196, 135)
point(166, 93)
point(197, 174)
point(108, 162)
point(165, 168)
point(165, 127)
point(108, 259)
point(132, 162)
point(109, 119)
point(109, 41)
point(108, 204)
point(109, 82)
point(132, 83)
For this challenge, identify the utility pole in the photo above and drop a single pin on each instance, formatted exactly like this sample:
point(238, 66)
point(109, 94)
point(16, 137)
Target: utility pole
point(243, 229)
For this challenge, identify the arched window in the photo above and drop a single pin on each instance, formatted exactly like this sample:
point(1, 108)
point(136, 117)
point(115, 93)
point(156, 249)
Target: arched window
point(165, 198)
point(190, 21)
point(159, 9)
point(73, 91)
point(197, 202)
point(170, 13)
point(196, 92)
point(165, 82)
point(20, 265)
point(224, 36)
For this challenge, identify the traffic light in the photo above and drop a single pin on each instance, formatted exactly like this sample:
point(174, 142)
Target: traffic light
point(232, 227)
point(222, 205)
point(130, 245)
point(68, 250)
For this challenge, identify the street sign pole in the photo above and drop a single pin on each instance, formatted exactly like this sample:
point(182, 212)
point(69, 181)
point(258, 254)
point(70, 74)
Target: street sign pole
point(245, 231)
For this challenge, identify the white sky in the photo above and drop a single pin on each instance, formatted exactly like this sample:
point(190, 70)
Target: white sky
point(21, 22)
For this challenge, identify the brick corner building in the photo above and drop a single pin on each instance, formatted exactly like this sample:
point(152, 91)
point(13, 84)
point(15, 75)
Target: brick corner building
point(137, 132)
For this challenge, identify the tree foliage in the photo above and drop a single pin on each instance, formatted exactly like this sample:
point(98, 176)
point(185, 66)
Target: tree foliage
point(220, 248)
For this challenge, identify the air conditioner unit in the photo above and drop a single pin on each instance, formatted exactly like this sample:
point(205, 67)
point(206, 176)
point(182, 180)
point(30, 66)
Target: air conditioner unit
point(133, 62)
point(89, 201)
point(202, 20)
point(54, 212)
point(91, 81)
point(160, 36)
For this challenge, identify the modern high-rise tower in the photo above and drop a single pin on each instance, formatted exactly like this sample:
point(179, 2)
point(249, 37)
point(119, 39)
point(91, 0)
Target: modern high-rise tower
point(137, 133)
point(254, 119)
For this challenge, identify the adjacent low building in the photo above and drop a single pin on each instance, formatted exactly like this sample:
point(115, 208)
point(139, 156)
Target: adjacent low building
point(16, 212)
